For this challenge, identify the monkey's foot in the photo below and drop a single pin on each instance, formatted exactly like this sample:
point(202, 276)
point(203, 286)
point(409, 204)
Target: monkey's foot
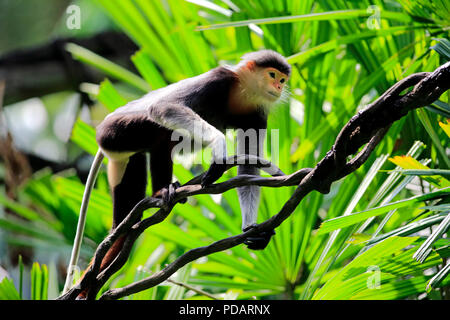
point(168, 194)
point(215, 171)
point(260, 240)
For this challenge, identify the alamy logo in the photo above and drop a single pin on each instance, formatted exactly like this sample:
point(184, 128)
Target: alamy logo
point(373, 22)
point(250, 141)
point(374, 279)
point(74, 19)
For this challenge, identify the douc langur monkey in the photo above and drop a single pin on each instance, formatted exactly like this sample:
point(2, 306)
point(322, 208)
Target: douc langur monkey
point(236, 97)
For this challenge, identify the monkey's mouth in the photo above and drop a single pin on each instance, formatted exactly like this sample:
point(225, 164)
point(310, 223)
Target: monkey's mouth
point(273, 94)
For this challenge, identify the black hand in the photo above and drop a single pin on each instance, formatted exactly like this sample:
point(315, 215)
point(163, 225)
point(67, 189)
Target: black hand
point(214, 172)
point(168, 194)
point(172, 188)
point(260, 240)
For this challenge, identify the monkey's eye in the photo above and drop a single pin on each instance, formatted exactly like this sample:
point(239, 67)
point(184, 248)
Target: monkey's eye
point(272, 74)
point(282, 80)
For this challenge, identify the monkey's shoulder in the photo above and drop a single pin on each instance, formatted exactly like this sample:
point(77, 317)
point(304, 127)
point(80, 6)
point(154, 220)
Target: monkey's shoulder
point(221, 74)
point(217, 80)
point(208, 89)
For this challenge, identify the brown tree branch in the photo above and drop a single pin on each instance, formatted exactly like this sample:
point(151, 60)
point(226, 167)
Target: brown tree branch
point(367, 128)
point(56, 68)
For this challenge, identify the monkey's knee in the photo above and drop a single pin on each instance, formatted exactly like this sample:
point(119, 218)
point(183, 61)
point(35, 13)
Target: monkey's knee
point(116, 171)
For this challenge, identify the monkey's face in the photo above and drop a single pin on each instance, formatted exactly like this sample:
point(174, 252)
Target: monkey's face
point(273, 82)
point(261, 85)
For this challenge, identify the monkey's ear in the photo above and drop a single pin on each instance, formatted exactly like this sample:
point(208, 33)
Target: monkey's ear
point(251, 65)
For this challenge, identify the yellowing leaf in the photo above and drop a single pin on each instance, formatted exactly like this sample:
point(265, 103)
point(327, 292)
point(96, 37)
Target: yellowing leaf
point(358, 238)
point(407, 162)
point(445, 127)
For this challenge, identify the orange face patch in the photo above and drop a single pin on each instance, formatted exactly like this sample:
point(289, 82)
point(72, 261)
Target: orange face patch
point(276, 75)
point(275, 81)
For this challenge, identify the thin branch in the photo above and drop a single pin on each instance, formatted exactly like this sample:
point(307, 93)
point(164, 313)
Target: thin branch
point(201, 292)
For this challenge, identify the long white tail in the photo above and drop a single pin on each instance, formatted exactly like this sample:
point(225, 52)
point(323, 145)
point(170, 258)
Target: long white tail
point(93, 172)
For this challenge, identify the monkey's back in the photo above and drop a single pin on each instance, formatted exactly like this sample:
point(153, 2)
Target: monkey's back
point(208, 95)
point(131, 128)
point(130, 132)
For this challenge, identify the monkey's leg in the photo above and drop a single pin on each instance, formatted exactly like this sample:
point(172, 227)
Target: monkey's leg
point(249, 200)
point(128, 182)
point(161, 170)
point(161, 166)
point(249, 195)
point(128, 189)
